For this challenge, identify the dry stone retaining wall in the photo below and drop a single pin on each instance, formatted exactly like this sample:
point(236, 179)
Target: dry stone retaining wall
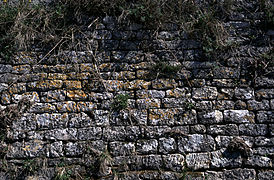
point(210, 120)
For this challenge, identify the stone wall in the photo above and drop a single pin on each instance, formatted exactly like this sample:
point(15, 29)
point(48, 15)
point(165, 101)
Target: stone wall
point(209, 120)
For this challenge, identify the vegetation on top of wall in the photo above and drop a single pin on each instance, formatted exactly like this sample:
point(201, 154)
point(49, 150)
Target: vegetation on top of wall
point(27, 26)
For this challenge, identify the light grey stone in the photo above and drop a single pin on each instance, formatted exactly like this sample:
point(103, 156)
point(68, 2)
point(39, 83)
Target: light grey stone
point(266, 175)
point(174, 162)
point(259, 161)
point(265, 116)
point(205, 93)
point(253, 129)
point(244, 93)
point(167, 145)
point(90, 133)
point(122, 148)
point(210, 117)
point(198, 161)
point(228, 129)
point(62, 134)
point(239, 116)
point(196, 143)
point(247, 174)
point(55, 150)
point(258, 105)
point(147, 146)
point(265, 94)
point(73, 149)
point(198, 129)
point(224, 159)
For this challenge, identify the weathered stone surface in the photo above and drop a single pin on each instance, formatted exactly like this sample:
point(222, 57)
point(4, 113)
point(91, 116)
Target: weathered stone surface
point(164, 84)
point(214, 175)
point(226, 72)
point(101, 117)
point(223, 82)
point(45, 85)
point(263, 141)
point(85, 106)
point(198, 82)
point(76, 95)
point(264, 151)
point(122, 149)
point(136, 85)
point(55, 150)
point(167, 145)
point(42, 108)
point(265, 116)
point(253, 129)
point(224, 159)
point(62, 134)
point(239, 116)
point(148, 103)
point(53, 96)
point(256, 105)
point(211, 117)
point(265, 94)
point(228, 129)
point(150, 94)
point(8, 78)
point(265, 175)
point(178, 93)
point(91, 133)
point(197, 161)
point(155, 131)
point(226, 93)
point(152, 161)
point(244, 93)
point(272, 104)
point(139, 116)
point(54, 120)
point(163, 116)
point(174, 162)
point(240, 104)
point(196, 143)
point(187, 117)
point(204, 93)
point(224, 141)
point(120, 133)
point(248, 174)
point(204, 105)
point(197, 129)
point(17, 88)
point(271, 129)
point(259, 161)
point(147, 146)
point(73, 149)
point(224, 105)
point(174, 102)
point(21, 69)
point(29, 149)
point(264, 82)
point(5, 68)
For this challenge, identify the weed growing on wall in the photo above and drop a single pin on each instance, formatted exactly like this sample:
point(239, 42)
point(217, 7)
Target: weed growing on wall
point(63, 174)
point(163, 69)
point(29, 166)
point(120, 102)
